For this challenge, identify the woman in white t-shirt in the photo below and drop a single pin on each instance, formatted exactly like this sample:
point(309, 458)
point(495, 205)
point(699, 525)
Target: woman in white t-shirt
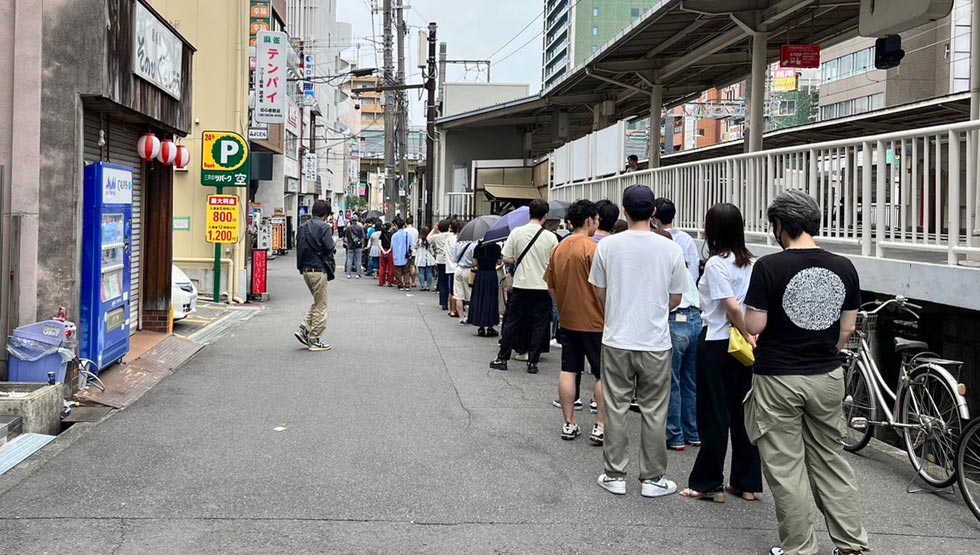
point(722, 381)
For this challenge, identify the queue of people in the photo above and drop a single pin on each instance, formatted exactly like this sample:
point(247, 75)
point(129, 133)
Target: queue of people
point(653, 323)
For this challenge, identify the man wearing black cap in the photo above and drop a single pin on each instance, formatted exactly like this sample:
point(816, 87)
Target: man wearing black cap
point(639, 278)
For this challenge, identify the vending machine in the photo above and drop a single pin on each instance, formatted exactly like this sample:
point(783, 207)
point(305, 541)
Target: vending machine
point(107, 236)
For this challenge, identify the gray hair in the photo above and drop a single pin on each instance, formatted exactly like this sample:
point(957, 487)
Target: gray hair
point(797, 211)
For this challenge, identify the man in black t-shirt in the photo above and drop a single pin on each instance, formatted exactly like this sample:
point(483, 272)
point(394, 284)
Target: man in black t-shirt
point(803, 303)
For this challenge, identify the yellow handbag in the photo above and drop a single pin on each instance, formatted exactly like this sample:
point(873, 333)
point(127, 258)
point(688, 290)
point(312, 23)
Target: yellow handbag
point(739, 348)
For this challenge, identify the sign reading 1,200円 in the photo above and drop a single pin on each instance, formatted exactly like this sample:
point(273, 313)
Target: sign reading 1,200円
point(223, 219)
point(224, 159)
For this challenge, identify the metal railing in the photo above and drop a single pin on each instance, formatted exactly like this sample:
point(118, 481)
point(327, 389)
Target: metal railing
point(911, 190)
point(459, 204)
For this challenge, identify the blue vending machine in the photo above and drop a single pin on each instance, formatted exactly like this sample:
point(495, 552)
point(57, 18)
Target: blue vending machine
point(106, 257)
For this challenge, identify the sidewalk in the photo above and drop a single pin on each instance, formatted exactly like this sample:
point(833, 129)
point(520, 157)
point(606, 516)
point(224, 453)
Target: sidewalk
point(400, 440)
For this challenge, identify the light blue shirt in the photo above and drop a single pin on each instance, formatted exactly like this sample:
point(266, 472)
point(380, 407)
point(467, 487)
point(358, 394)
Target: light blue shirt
point(401, 246)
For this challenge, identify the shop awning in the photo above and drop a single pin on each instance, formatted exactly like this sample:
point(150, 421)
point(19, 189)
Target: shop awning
point(505, 192)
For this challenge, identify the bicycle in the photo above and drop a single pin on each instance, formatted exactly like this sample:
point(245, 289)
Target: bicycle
point(930, 403)
point(968, 466)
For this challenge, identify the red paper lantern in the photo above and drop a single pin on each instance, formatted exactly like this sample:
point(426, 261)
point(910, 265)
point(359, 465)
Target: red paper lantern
point(148, 147)
point(183, 157)
point(168, 152)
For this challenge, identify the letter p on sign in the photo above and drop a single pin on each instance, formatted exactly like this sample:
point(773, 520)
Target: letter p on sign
point(229, 148)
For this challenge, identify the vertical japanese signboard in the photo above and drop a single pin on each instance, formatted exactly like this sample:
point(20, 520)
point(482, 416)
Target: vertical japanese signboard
point(260, 19)
point(270, 77)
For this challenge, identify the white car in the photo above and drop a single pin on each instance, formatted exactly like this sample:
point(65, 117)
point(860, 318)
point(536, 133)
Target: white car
point(183, 295)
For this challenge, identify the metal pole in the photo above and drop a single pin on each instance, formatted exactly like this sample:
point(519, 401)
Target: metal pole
point(430, 124)
point(757, 119)
point(656, 120)
point(402, 114)
point(217, 262)
point(442, 71)
point(389, 97)
point(975, 62)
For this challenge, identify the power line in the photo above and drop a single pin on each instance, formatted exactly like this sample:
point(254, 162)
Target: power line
point(538, 34)
point(512, 39)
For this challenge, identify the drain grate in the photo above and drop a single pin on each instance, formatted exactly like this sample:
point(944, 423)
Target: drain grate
point(20, 448)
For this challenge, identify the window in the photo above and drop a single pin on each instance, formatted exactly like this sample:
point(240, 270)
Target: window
point(846, 67)
point(862, 61)
point(595, 31)
point(786, 108)
point(635, 12)
point(595, 12)
point(830, 71)
point(595, 48)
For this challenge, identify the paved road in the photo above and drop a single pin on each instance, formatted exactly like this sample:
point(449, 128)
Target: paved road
point(400, 440)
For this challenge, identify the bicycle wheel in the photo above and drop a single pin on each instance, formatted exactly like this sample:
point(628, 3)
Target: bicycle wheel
point(929, 406)
point(859, 402)
point(968, 466)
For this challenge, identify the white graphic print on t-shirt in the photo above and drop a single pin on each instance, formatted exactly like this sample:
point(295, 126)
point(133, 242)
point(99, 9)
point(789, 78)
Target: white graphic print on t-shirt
point(813, 299)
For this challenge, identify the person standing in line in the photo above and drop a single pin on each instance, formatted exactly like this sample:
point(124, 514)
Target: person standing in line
point(685, 329)
point(353, 236)
point(401, 251)
point(374, 252)
point(529, 308)
point(803, 303)
point(722, 381)
point(315, 250)
point(462, 289)
point(639, 278)
point(449, 245)
point(425, 261)
point(581, 317)
point(413, 235)
point(387, 259)
point(341, 224)
point(608, 215)
point(438, 239)
point(485, 300)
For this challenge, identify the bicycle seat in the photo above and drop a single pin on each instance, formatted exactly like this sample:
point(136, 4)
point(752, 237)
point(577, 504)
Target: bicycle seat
point(902, 345)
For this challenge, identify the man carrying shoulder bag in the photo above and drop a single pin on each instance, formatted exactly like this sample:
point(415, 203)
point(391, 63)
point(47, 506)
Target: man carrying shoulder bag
point(315, 260)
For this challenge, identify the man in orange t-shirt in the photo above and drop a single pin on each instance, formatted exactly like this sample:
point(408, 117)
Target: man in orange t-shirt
point(580, 315)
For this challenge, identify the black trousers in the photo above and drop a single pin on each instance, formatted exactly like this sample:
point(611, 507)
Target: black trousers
point(526, 322)
point(443, 285)
point(722, 385)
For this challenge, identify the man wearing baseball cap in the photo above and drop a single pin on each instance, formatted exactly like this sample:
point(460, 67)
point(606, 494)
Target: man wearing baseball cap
point(639, 278)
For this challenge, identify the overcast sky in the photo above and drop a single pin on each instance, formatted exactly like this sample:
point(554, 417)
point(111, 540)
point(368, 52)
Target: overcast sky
point(472, 29)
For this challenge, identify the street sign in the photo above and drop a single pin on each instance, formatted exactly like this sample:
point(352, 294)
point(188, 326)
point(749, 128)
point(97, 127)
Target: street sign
point(258, 134)
point(800, 55)
point(270, 77)
point(310, 163)
point(224, 159)
point(223, 220)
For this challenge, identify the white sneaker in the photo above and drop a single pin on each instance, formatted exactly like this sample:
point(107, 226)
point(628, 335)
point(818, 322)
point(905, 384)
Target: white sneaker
point(557, 404)
point(659, 488)
point(570, 431)
point(520, 357)
point(616, 486)
point(555, 344)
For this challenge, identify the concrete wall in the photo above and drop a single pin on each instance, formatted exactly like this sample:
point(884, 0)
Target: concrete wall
point(462, 147)
point(466, 97)
point(218, 28)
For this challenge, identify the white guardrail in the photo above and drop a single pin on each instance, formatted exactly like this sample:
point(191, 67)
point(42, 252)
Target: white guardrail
point(459, 204)
point(914, 189)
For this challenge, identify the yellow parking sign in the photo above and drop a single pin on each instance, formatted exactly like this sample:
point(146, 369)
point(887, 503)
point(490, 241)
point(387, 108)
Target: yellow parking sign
point(223, 219)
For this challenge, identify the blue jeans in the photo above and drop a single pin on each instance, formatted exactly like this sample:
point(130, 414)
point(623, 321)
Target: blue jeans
point(554, 321)
point(682, 420)
point(373, 264)
point(353, 264)
point(425, 277)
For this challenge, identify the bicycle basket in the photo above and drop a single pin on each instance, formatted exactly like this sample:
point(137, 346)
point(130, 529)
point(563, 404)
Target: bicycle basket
point(866, 325)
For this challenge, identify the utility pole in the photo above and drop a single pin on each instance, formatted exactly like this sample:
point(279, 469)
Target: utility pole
point(402, 114)
point(430, 126)
point(390, 194)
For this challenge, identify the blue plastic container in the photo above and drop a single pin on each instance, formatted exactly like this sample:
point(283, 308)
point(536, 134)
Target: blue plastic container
point(37, 349)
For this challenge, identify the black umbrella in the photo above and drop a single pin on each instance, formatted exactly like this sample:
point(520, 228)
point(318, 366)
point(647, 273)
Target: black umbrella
point(371, 214)
point(557, 209)
point(476, 229)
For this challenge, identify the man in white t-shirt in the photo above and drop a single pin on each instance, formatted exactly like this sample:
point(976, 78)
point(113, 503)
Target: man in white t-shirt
point(528, 316)
point(639, 278)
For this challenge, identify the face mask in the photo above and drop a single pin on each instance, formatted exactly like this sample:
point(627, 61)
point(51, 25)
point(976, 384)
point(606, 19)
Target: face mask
point(776, 233)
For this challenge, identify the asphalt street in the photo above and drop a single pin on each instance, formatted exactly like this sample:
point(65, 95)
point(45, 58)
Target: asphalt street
point(399, 440)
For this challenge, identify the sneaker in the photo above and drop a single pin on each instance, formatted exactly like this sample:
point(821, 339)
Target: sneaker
point(593, 407)
point(318, 346)
point(557, 404)
point(570, 431)
point(616, 486)
point(634, 406)
point(498, 364)
point(676, 447)
point(532, 368)
point(555, 344)
point(779, 551)
point(348, 276)
point(358, 276)
point(302, 335)
point(598, 435)
point(694, 443)
point(658, 488)
point(520, 357)
point(837, 551)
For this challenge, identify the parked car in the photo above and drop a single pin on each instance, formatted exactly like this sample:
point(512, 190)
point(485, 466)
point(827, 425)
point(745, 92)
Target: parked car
point(184, 294)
